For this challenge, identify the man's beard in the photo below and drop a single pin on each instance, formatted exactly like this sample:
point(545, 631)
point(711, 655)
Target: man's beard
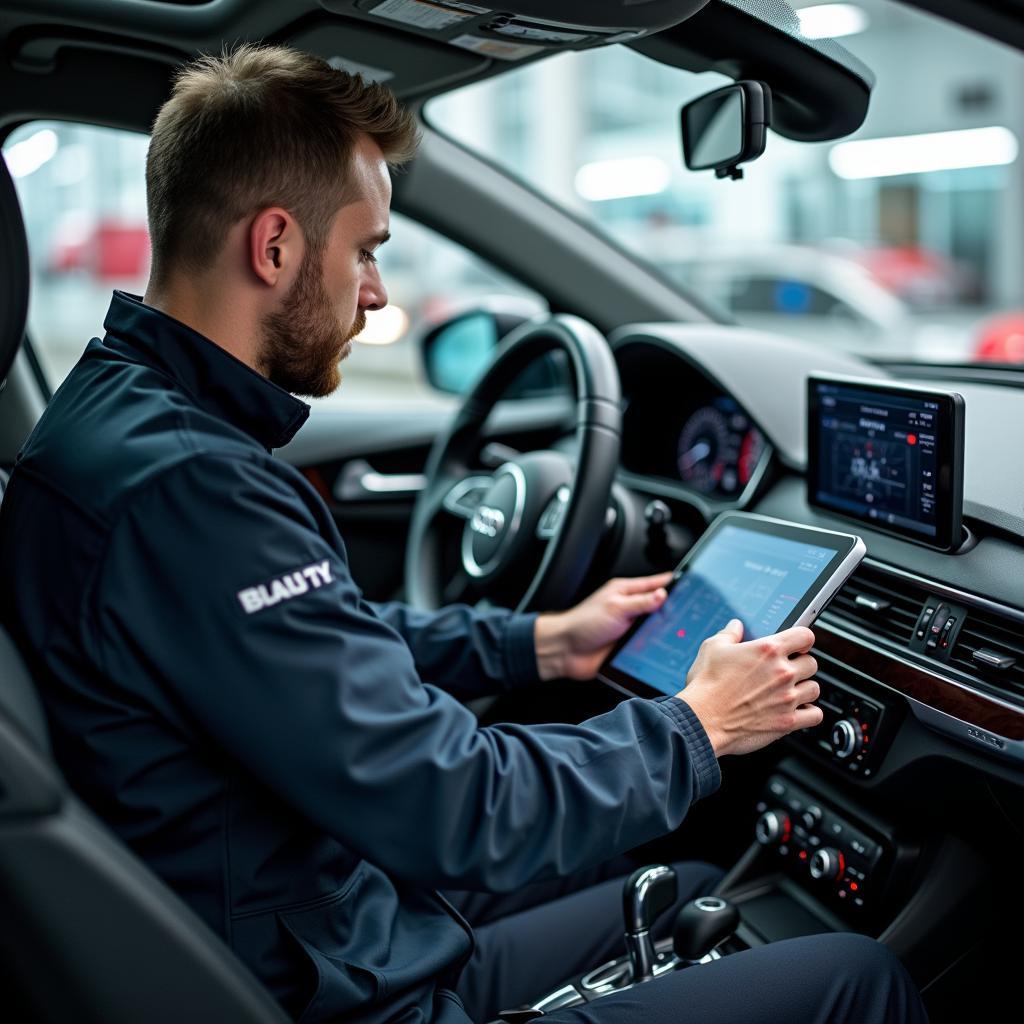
point(303, 343)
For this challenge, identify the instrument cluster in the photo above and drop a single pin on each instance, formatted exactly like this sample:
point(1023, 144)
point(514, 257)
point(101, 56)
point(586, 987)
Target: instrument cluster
point(696, 436)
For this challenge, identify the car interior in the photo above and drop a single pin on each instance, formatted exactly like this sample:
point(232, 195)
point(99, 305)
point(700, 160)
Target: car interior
point(901, 817)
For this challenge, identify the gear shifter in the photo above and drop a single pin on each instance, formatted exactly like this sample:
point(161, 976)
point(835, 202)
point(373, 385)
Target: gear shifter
point(703, 924)
point(647, 894)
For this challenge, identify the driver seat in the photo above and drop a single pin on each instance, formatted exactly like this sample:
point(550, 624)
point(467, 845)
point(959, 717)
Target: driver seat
point(87, 932)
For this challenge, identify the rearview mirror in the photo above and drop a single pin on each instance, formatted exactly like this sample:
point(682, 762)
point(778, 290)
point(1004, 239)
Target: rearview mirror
point(726, 128)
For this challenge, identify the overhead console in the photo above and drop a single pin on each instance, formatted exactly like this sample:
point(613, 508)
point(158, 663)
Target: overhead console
point(521, 29)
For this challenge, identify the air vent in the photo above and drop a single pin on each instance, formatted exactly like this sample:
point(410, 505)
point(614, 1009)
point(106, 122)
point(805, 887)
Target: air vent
point(888, 606)
point(990, 648)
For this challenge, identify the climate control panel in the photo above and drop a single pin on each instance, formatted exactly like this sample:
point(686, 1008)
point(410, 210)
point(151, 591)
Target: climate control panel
point(836, 861)
point(854, 730)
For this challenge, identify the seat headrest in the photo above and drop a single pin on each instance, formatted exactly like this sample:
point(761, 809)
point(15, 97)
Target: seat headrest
point(14, 260)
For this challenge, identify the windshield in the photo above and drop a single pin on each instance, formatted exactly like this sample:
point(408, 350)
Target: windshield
point(903, 240)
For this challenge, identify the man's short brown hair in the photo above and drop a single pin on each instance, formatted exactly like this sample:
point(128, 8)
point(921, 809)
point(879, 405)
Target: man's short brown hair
point(255, 127)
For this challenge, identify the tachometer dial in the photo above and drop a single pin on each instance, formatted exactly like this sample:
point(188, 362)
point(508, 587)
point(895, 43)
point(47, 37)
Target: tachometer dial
point(703, 444)
point(751, 449)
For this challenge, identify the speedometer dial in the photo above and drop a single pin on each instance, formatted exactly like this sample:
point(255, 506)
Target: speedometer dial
point(703, 448)
point(719, 449)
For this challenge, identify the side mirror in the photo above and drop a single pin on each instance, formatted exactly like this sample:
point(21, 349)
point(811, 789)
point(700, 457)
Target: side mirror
point(457, 351)
point(726, 128)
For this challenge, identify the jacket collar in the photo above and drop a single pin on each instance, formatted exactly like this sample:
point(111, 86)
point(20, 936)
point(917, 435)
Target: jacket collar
point(215, 379)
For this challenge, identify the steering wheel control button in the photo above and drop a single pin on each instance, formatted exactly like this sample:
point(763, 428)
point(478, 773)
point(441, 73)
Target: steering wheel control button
point(464, 498)
point(552, 516)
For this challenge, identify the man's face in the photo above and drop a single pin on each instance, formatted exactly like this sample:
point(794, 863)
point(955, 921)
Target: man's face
point(305, 340)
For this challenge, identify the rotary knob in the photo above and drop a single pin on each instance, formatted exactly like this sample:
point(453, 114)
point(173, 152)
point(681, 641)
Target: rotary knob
point(827, 863)
point(772, 827)
point(846, 738)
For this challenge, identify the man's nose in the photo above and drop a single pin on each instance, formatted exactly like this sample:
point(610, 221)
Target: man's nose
point(372, 293)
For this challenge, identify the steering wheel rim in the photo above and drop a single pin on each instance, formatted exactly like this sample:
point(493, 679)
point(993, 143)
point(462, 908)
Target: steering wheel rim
point(580, 524)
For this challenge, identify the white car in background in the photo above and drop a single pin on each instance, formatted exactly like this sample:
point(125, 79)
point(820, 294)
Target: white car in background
point(824, 297)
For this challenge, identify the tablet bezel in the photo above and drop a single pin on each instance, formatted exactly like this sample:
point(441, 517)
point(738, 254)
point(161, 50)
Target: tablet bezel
point(851, 545)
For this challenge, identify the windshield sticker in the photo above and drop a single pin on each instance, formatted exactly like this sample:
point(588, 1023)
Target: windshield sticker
point(423, 14)
point(541, 35)
point(496, 47)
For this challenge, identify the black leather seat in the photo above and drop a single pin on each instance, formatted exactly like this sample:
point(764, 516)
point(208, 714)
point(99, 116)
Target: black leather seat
point(87, 932)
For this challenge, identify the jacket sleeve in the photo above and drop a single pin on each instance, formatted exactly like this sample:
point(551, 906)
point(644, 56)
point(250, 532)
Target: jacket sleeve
point(468, 652)
point(219, 589)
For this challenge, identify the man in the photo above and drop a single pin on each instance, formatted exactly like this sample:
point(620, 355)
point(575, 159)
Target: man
point(290, 757)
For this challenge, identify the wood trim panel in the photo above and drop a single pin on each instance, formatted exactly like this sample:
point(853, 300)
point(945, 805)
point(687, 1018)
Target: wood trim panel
point(924, 686)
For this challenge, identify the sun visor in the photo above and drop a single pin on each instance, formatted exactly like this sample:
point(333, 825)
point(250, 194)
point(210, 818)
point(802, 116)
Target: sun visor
point(401, 62)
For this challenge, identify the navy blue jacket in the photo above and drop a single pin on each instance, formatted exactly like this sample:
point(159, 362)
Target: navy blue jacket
point(288, 756)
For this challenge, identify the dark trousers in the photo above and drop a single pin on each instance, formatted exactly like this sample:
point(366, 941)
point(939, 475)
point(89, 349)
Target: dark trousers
point(530, 942)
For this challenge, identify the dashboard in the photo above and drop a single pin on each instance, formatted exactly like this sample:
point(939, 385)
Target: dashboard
point(716, 423)
point(903, 812)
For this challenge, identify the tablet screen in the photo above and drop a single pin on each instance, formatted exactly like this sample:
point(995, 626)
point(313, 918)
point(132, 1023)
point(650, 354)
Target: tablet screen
point(741, 574)
point(888, 455)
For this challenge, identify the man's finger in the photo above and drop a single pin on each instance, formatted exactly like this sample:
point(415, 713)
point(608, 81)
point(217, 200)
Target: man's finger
point(637, 604)
point(641, 584)
point(796, 640)
point(809, 717)
point(804, 665)
point(807, 692)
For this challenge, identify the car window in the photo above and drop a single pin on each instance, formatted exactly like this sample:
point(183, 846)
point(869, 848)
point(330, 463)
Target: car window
point(909, 228)
point(82, 192)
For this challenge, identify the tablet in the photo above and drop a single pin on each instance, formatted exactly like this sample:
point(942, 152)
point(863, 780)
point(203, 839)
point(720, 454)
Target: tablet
point(767, 573)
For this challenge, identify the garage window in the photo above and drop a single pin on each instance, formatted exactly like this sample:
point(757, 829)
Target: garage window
point(82, 192)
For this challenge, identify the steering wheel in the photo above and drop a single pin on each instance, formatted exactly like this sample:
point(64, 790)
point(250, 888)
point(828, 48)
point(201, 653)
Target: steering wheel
point(531, 527)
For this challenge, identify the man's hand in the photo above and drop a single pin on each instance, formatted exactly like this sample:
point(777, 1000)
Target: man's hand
point(572, 644)
point(748, 694)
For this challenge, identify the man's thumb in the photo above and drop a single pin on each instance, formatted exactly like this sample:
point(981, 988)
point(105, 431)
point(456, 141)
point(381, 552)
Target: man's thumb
point(733, 630)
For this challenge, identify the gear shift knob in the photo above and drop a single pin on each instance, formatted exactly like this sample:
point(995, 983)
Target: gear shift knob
point(647, 894)
point(701, 925)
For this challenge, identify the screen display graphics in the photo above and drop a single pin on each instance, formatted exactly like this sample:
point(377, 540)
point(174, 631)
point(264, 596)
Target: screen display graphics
point(887, 456)
point(742, 574)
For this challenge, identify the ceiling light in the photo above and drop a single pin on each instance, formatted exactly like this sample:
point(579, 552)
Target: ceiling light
point(620, 179)
point(831, 21)
point(919, 154)
point(384, 326)
point(27, 156)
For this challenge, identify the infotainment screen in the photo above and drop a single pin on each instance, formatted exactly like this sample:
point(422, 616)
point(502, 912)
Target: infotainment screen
point(765, 572)
point(887, 455)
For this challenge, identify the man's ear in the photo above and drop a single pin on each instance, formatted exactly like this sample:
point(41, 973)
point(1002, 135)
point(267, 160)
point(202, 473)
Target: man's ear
point(275, 246)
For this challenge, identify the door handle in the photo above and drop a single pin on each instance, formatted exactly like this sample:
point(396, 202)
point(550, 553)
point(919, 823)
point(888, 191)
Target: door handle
point(359, 481)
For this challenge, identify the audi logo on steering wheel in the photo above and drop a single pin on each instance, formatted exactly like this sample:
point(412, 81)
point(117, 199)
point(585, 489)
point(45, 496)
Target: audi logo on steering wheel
point(487, 521)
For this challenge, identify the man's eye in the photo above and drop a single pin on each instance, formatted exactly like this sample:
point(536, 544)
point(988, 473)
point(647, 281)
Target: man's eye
point(366, 256)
